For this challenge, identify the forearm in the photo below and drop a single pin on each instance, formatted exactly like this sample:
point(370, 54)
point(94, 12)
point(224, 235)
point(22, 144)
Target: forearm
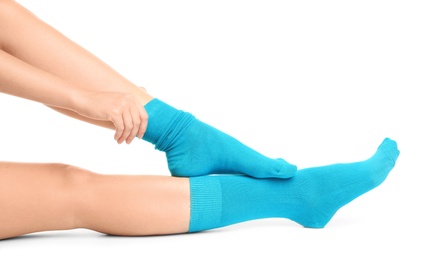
point(20, 79)
point(75, 115)
point(122, 111)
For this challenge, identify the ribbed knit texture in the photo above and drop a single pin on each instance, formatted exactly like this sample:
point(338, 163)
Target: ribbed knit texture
point(310, 198)
point(194, 148)
point(206, 204)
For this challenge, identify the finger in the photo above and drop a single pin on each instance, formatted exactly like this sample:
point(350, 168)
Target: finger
point(119, 127)
point(144, 123)
point(136, 122)
point(127, 120)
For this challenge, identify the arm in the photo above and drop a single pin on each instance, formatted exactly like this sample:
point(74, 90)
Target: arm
point(23, 80)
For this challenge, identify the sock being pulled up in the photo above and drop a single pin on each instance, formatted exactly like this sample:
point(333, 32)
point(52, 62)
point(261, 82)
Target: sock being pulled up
point(194, 148)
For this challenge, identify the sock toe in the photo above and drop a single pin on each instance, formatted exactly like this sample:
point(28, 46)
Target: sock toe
point(287, 170)
point(390, 147)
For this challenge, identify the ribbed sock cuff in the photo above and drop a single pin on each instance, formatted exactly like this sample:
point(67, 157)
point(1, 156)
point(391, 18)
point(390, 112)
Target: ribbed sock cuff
point(164, 123)
point(206, 203)
point(160, 117)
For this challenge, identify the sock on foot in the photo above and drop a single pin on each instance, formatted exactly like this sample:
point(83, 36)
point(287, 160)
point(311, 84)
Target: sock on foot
point(310, 198)
point(194, 148)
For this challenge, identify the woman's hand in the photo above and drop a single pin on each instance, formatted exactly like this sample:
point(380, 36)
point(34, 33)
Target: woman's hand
point(124, 110)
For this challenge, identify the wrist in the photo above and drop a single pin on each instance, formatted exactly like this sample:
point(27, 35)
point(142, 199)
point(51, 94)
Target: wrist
point(77, 99)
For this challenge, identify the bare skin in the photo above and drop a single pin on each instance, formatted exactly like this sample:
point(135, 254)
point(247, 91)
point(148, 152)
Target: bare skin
point(41, 197)
point(37, 197)
point(94, 93)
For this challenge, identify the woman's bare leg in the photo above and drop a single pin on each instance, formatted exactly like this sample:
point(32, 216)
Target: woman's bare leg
point(28, 38)
point(43, 197)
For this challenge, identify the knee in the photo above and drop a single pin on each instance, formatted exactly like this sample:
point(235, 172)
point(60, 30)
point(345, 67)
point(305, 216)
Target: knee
point(78, 183)
point(76, 179)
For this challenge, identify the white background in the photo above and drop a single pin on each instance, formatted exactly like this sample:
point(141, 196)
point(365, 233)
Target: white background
point(314, 82)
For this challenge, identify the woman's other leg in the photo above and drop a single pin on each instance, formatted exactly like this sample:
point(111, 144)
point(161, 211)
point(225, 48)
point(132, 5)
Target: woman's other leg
point(44, 197)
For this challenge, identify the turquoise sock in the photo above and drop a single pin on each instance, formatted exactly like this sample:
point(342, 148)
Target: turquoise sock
point(194, 148)
point(310, 198)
